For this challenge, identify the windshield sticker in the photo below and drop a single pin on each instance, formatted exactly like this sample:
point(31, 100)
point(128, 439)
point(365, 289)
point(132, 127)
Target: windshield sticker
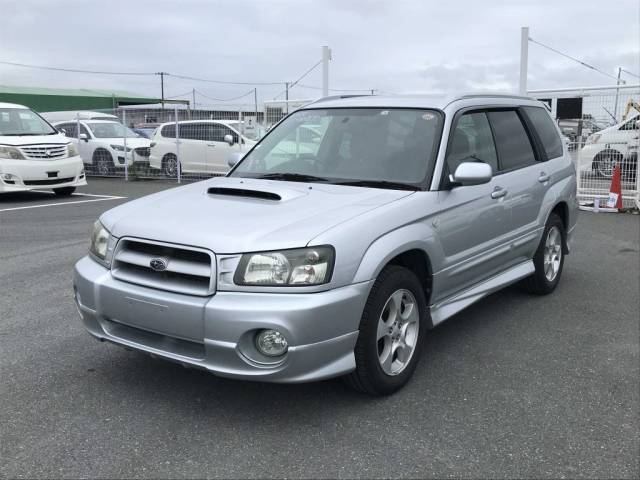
point(428, 116)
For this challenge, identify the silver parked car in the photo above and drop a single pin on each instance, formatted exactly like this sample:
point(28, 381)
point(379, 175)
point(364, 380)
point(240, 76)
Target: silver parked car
point(336, 260)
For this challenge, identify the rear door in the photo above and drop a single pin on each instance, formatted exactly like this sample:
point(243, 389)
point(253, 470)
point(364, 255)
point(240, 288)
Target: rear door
point(525, 178)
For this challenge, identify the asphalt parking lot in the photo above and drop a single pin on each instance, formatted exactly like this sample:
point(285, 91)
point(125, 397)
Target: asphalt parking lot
point(515, 386)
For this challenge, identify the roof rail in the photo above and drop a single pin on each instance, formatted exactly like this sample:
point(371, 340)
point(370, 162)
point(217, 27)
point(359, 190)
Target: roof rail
point(337, 97)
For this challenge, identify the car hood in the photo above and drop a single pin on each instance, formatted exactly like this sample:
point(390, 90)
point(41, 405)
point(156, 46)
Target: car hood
point(234, 215)
point(23, 140)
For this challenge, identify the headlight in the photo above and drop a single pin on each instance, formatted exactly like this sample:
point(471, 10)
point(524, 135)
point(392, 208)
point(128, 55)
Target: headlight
point(120, 148)
point(99, 246)
point(11, 152)
point(297, 268)
point(593, 138)
point(72, 150)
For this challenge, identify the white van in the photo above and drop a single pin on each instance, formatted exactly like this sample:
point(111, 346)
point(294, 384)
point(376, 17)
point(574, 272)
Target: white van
point(69, 115)
point(205, 146)
point(34, 155)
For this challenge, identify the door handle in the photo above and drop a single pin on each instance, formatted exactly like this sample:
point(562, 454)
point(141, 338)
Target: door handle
point(498, 192)
point(544, 177)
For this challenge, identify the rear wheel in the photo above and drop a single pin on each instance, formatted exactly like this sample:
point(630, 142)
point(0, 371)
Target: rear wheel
point(103, 162)
point(64, 191)
point(392, 330)
point(548, 259)
point(170, 165)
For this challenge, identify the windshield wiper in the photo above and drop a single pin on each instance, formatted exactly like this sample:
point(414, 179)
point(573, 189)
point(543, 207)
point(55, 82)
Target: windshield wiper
point(292, 177)
point(380, 184)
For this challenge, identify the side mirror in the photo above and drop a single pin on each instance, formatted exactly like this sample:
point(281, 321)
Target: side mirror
point(472, 173)
point(229, 139)
point(234, 158)
point(83, 136)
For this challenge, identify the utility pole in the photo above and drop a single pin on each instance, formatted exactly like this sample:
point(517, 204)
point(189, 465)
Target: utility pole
point(193, 96)
point(326, 56)
point(524, 59)
point(286, 95)
point(255, 102)
point(615, 105)
point(162, 74)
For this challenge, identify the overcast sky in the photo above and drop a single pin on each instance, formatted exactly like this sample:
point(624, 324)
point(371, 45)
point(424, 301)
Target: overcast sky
point(397, 46)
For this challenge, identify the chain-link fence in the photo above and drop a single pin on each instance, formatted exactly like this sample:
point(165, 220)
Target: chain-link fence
point(601, 128)
point(131, 142)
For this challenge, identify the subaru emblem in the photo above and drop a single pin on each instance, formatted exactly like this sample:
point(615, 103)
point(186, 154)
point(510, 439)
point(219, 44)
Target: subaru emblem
point(158, 264)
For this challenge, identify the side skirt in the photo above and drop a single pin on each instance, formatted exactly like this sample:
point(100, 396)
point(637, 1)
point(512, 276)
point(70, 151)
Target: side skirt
point(458, 302)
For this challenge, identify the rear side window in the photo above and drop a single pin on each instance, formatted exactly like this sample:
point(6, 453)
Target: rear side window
point(512, 142)
point(546, 131)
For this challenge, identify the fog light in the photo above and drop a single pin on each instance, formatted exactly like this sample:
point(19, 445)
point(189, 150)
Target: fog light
point(7, 176)
point(271, 343)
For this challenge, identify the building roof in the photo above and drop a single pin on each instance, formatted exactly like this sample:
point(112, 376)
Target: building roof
point(59, 99)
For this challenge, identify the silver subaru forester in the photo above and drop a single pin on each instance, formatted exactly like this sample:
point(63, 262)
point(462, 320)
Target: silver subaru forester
point(331, 248)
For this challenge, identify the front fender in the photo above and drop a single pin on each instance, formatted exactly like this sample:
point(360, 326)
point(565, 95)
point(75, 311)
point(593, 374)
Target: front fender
point(416, 236)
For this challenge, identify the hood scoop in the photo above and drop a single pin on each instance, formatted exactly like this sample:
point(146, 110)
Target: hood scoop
point(244, 192)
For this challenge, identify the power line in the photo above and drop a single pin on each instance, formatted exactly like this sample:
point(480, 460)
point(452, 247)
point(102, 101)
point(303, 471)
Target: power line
point(250, 92)
point(220, 82)
point(584, 64)
point(73, 70)
point(305, 74)
point(630, 73)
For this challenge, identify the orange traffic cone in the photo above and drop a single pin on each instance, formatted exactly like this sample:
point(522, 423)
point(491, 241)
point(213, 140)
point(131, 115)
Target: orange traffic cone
point(615, 191)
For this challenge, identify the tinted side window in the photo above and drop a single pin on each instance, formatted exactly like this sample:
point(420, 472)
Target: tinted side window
point(631, 124)
point(512, 142)
point(169, 131)
point(472, 141)
point(546, 131)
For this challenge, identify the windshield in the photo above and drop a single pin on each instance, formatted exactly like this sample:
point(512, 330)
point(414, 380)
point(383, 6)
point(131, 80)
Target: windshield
point(22, 121)
point(346, 145)
point(111, 130)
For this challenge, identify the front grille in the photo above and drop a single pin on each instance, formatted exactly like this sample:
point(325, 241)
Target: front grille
point(187, 270)
point(143, 151)
point(45, 152)
point(52, 181)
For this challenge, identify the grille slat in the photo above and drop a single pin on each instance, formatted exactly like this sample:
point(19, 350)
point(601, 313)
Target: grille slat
point(188, 270)
point(45, 152)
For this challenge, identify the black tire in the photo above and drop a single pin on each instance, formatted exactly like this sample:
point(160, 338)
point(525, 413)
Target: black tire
point(604, 162)
point(369, 377)
point(170, 165)
point(539, 283)
point(103, 162)
point(64, 191)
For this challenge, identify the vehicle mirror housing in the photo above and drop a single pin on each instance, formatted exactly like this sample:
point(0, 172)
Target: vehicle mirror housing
point(234, 158)
point(83, 136)
point(229, 139)
point(472, 173)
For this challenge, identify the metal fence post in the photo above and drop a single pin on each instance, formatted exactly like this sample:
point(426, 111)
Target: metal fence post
point(240, 128)
point(126, 160)
point(178, 167)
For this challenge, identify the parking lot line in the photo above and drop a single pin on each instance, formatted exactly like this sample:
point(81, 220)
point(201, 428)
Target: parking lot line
point(101, 199)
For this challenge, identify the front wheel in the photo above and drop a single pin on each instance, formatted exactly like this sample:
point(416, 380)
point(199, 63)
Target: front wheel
point(170, 165)
point(64, 191)
point(548, 259)
point(392, 330)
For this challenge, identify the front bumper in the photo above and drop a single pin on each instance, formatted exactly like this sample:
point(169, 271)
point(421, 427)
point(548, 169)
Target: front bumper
point(216, 333)
point(39, 174)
